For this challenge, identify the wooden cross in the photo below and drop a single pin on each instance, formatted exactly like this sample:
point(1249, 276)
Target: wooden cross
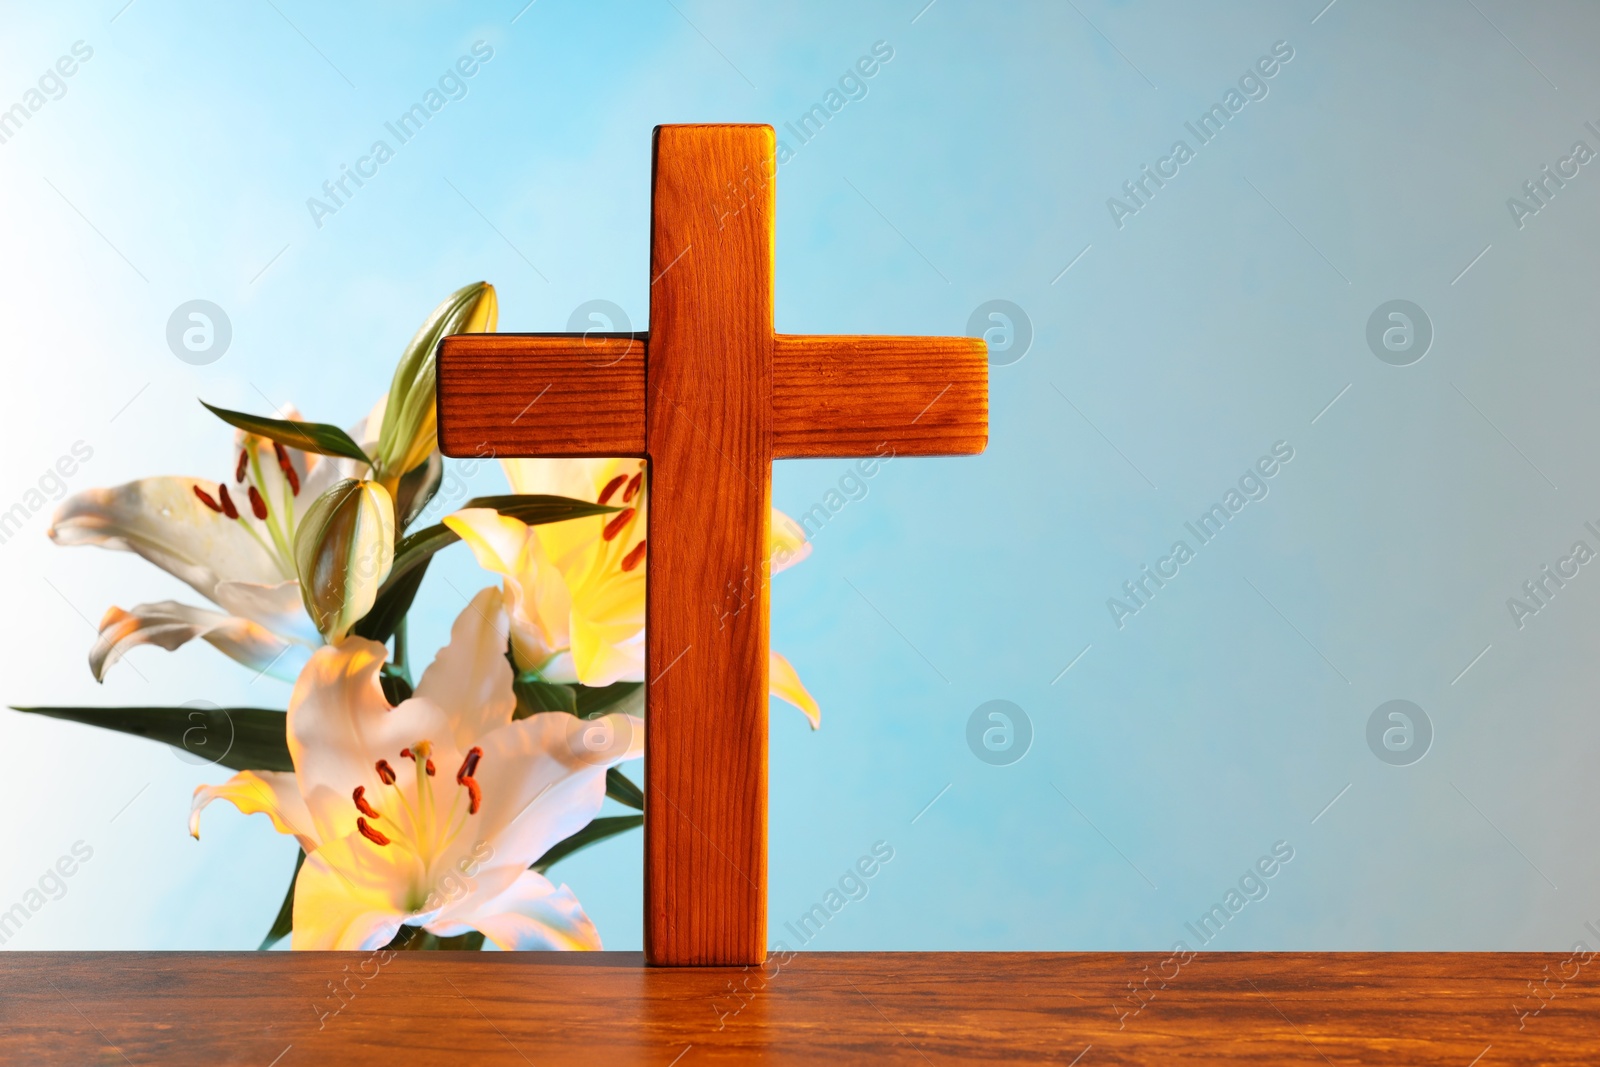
point(710, 396)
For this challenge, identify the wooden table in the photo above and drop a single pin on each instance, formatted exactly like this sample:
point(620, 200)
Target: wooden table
point(602, 1009)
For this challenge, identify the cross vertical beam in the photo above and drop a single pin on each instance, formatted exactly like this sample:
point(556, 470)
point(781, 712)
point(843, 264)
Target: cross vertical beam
point(708, 432)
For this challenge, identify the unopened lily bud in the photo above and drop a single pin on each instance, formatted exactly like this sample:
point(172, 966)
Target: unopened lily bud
point(343, 550)
point(410, 431)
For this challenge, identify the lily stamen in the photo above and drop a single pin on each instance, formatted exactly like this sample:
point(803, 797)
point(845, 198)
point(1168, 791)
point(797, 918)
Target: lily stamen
point(407, 823)
point(633, 487)
point(634, 556)
point(228, 508)
point(464, 776)
point(244, 458)
point(362, 805)
point(375, 836)
point(615, 526)
point(205, 498)
point(287, 467)
point(611, 487)
point(258, 506)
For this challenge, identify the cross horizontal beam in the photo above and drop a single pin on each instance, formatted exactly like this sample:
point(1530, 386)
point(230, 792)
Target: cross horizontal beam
point(584, 395)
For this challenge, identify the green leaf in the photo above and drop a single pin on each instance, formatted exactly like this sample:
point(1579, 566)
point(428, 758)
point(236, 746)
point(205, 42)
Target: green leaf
point(416, 939)
point(283, 925)
point(471, 941)
point(620, 696)
point(410, 939)
point(596, 831)
point(414, 551)
point(389, 610)
point(536, 696)
point(319, 437)
point(249, 739)
point(397, 687)
point(620, 787)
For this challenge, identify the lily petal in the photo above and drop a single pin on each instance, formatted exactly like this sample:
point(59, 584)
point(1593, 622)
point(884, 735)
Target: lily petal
point(568, 543)
point(530, 914)
point(498, 541)
point(537, 598)
point(786, 542)
point(608, 631)
point(169, 624)
point(558, 668)
point(470, 679)
point(340, 723)
point(784, 683)
point(278, 607)
point(345, 897)
point(546, 777)
point(164, 521)
point(580, 479)
point(273, 793)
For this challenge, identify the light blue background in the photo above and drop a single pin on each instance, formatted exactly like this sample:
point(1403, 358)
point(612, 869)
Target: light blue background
point(1223, 317)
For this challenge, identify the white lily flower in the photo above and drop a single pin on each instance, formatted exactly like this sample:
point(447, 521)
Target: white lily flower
point(232, 541)
point(429, 814)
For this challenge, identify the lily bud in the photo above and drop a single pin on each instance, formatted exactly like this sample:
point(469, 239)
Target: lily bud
point(410, 431)
point(343, 550)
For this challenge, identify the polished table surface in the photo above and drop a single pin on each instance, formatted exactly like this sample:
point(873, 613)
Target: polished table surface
point(276, 1009)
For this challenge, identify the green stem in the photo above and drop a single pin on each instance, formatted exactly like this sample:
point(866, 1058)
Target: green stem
point(400, 655)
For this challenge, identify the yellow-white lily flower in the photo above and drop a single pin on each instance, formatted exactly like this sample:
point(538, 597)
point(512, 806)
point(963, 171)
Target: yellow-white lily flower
point(231, 540)
point(576, 589)
point(430, 813)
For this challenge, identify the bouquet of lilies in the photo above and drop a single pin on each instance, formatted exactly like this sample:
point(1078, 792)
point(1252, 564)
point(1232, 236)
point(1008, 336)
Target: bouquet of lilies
point(427, 809)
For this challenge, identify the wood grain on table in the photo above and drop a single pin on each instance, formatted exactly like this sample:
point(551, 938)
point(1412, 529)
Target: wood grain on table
point(276, 1009)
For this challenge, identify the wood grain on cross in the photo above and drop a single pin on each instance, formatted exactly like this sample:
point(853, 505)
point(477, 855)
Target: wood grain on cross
point(710, 396)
